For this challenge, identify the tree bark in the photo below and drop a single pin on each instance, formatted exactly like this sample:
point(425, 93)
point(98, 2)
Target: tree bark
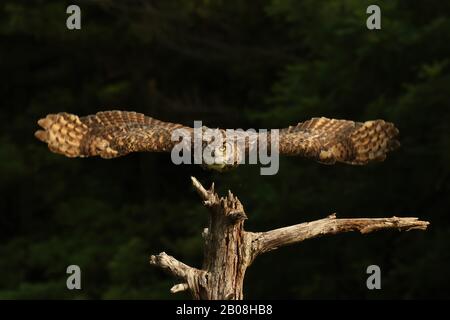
point(229, 249)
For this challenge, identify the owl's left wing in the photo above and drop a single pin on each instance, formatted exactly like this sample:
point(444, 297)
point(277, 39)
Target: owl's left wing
point(331, 140)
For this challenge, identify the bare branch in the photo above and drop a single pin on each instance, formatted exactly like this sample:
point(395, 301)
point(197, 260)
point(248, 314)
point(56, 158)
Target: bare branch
point(271, 240)
point(194, 278)
point(172, 265)
point(179, 287)
point(228, 206)
point(203, 193)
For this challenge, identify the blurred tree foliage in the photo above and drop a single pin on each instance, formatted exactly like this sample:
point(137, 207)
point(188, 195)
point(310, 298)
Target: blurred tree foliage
point(233, 64)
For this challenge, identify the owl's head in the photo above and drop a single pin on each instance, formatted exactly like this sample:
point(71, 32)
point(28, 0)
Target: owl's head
point(224, 156)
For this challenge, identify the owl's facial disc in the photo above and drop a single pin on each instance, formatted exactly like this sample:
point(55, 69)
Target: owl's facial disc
point(225, 157)
point(226, 154)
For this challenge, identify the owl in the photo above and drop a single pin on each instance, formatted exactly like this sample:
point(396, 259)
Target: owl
point(111, 134)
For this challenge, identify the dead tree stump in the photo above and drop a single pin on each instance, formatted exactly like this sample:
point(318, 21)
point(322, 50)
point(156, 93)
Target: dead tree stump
point(229, 249)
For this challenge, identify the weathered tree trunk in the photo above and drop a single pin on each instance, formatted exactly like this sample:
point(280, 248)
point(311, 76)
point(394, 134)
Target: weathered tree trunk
point(227, 253)
point(229, 250)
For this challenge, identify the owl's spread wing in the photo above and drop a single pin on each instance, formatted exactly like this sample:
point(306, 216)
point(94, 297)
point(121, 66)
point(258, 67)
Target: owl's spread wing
point(107, 134)
point(331, 140)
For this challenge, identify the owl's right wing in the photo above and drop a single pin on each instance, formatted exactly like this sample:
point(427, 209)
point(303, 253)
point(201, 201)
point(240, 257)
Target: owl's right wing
point(106, 134)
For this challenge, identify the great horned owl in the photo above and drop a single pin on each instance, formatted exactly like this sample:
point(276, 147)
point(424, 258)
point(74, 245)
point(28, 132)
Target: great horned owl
point(112, 134)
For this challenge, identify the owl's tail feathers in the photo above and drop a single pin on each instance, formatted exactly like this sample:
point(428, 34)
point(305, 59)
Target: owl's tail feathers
point(373, 140)
point(64, 134)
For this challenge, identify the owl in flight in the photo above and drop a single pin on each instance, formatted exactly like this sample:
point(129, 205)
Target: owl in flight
point(111, 134)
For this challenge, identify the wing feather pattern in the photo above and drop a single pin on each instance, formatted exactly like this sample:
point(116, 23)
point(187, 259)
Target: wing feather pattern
point(331, 140)
point(106, 134)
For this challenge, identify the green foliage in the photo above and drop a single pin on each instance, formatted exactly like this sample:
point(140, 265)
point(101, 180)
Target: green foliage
point(231, 64)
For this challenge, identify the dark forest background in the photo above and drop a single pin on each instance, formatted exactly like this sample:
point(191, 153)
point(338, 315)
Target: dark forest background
point(233, 64)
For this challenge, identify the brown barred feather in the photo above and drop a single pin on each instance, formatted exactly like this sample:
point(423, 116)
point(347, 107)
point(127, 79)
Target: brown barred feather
point(107, 134)
point(331, 140)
